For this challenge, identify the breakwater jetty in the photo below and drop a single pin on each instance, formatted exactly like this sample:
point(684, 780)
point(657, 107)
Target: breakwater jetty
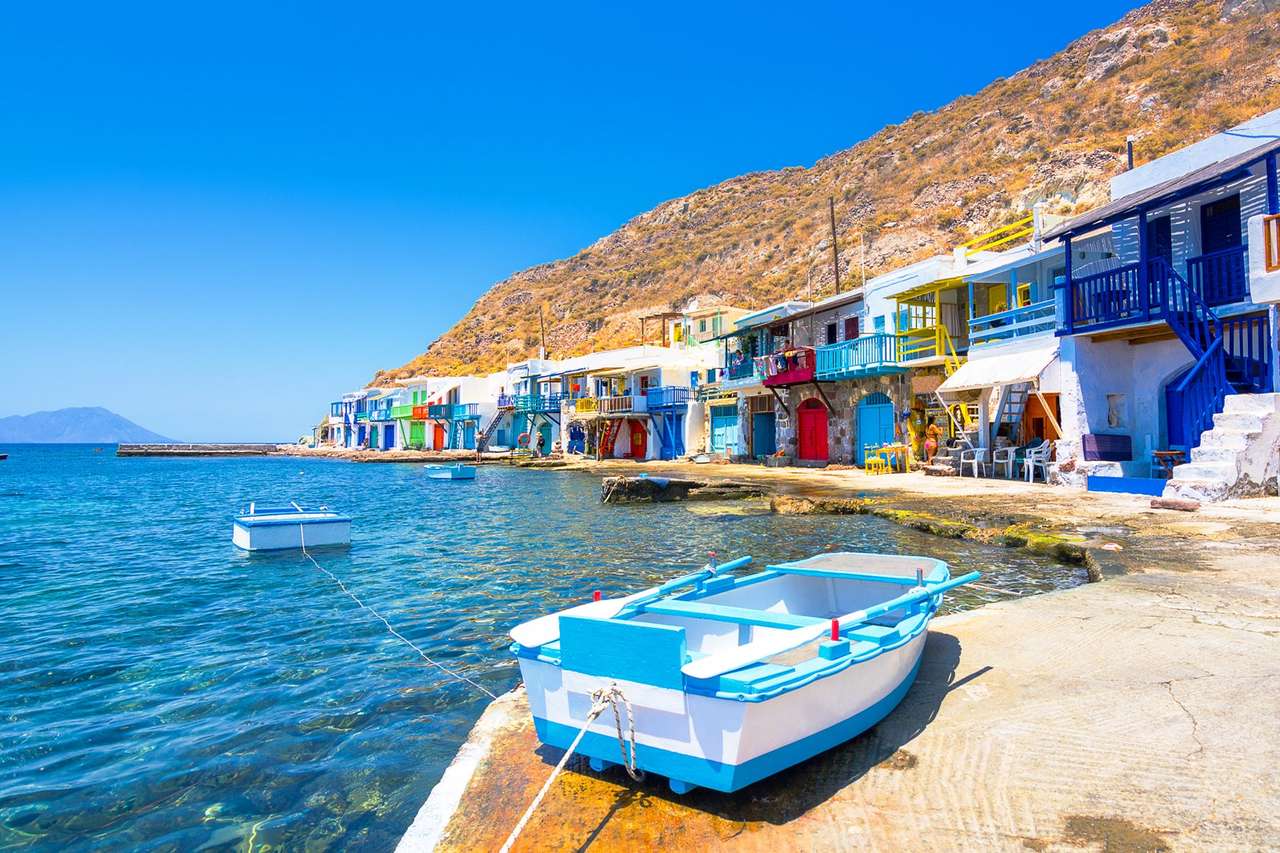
point(197, 449)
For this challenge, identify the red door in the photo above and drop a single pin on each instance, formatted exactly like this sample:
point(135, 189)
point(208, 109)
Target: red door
point(639, 439)
point(812, 430)
point(438, 437)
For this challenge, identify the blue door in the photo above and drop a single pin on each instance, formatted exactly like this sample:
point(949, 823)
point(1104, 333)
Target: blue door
point(724, 428)
point(469, 435)
point(875, 424)
point(389, 437)
point(764, 434)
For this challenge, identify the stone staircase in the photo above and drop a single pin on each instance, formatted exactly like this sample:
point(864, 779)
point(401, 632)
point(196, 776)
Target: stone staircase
point(1238, 457)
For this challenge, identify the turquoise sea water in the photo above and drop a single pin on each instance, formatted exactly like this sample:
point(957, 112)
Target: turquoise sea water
point(161, 690)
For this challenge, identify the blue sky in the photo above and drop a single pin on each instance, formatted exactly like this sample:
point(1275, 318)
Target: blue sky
point(214, 220)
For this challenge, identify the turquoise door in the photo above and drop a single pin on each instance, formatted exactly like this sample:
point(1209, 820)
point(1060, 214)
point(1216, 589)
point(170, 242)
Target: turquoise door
point(469, 435)
point(724, 428)
point(875, 424)
point(764, 434)
point(545, 431)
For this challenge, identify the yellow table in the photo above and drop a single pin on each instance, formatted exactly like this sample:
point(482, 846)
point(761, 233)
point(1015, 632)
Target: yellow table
point(895, 455)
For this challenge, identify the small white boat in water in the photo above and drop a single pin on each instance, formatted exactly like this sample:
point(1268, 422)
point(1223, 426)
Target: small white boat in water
point(277, 528)
point(457, 471)
point(734, 678)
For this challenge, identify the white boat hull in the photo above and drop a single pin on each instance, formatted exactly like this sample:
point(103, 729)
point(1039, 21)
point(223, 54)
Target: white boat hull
point(285, 536)
point(722, 743)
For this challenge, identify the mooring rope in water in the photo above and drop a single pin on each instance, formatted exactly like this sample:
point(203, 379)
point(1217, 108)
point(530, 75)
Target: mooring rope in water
point(410, 643)
point(600, 699)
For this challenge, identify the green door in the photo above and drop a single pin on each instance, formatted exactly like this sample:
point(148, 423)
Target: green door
point(417, 433)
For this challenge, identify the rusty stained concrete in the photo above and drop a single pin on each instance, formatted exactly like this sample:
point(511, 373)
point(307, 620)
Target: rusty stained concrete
point(1139, 713)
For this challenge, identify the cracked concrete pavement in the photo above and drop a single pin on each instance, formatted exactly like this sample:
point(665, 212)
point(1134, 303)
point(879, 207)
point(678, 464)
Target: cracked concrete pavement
point(1139, 713)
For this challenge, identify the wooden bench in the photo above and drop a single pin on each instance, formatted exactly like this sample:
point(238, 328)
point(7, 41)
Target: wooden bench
point(1102, 447)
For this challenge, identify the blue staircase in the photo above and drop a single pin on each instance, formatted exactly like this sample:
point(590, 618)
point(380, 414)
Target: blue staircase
point(1200, 393)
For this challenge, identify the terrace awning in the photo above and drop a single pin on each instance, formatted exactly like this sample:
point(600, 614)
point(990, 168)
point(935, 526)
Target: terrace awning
point(1024, 365)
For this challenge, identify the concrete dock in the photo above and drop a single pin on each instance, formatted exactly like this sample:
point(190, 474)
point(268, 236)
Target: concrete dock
point(1138, 713)
point(196, 449)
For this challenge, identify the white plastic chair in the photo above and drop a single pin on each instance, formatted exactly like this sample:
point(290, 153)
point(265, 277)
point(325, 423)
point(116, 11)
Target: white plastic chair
point(974, 456)
point(1005, 456)
point(1038, 457)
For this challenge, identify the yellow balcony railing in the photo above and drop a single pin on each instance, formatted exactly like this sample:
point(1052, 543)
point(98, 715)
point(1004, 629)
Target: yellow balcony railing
point(930, 342)
point(586, 405)
point(1020, 230)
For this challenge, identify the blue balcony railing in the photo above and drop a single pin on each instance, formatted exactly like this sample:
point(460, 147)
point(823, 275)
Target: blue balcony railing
point(1035, 319)
point(740, 370)
point(1221, 278)
point(537, 403)
point(667, 396)
point(464, 411)
point(1116, 297)
point(868, 355)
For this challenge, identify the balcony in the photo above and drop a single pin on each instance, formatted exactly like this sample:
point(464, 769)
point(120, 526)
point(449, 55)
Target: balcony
point(1038, 318)
point(464, 411)
point(380, 414)
point(506, 401)
point(401, 412)
point(869, 355)
point(666, 396)
point(740, 373)
point(361, 417)
point(537, 403)
point(1118, 297)
point(624, 404)
point(439, 411)
point(420, 413)
point(787, 368)
point(584, 405)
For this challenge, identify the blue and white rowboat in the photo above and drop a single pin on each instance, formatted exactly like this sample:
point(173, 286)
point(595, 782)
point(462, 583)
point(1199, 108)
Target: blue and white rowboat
point(457, 471)
point(734, 678)
point(277, 528)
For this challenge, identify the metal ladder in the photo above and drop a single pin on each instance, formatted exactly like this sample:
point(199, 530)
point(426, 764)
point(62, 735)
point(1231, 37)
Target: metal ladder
point(1009, 409)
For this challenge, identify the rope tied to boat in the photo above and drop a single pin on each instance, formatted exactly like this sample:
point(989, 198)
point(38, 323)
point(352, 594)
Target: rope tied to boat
point(604, 697)
point(410, 643)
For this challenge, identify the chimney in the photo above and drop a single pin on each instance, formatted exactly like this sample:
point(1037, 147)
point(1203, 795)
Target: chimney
point(1128, 144)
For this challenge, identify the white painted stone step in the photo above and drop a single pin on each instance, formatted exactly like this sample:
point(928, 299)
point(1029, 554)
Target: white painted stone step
point(1206, 471)
point(1235, 439)
point(1214, 453)
point(1238, 420)
point(1259, 403)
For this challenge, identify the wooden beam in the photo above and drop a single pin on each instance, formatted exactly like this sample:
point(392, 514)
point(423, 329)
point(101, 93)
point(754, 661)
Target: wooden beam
point(831, 410)
point(778, 397)
point(1048, 410)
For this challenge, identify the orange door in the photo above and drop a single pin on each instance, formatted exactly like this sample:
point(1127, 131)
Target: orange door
point(639, 440)
point(438, 437)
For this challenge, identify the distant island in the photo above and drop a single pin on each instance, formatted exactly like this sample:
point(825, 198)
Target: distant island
point(78, 425)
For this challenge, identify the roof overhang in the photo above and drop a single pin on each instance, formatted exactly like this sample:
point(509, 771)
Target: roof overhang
point(1200, 180)
point(1012, 366)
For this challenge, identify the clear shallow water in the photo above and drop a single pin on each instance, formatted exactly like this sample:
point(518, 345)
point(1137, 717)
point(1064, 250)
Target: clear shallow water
point(161, 690)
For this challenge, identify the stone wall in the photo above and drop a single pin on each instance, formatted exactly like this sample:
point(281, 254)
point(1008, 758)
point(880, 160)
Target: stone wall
point(842, 426)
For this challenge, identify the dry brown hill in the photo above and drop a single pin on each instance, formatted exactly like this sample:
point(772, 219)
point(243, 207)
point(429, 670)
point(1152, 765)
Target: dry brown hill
point(1169, 73)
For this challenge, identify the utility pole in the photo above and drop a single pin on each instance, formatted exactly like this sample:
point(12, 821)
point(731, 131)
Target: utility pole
point(835, 249)
point(542, 324)
point(862, 250)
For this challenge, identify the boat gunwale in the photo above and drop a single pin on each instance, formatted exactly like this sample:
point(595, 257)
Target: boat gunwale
point(859, 650)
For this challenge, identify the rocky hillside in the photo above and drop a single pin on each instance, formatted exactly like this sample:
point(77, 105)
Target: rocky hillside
point(1168, 73)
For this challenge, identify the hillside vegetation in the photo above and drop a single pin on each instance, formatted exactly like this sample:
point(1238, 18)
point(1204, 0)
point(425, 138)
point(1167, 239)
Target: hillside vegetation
point(1169, 73)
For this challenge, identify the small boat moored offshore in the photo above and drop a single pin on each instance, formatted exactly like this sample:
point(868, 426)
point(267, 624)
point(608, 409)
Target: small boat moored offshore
point(734, 678)
point(457, 471)
point(278, 528)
